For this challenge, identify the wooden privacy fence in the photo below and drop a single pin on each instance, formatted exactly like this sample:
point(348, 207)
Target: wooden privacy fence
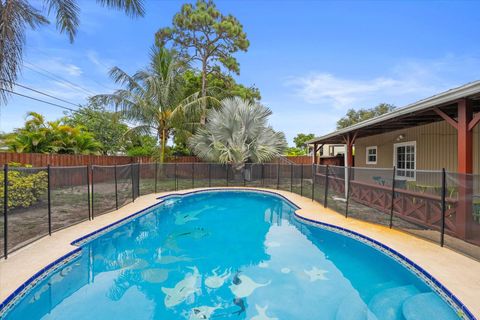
point(68, 160)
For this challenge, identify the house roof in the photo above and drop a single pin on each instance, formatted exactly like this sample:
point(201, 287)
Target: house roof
point(418, 113)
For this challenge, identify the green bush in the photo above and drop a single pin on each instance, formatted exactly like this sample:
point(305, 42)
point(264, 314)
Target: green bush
point(25, 188)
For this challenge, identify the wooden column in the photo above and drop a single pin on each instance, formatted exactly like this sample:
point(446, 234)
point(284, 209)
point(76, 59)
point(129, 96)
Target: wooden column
point(464, 137)
point(464, 219)
point(464, 125)
point(349, 141)
point(315, 153)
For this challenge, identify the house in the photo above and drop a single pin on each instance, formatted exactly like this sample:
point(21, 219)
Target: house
point(431, 134)
point(332, 154)
point(439, 132)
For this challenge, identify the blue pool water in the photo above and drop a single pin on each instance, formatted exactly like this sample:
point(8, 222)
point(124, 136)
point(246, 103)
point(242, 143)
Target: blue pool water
point(229, 255)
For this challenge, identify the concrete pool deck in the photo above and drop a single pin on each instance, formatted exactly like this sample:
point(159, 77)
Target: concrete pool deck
point(458, 273)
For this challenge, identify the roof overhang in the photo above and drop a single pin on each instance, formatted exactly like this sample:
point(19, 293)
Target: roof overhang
point(415, 114)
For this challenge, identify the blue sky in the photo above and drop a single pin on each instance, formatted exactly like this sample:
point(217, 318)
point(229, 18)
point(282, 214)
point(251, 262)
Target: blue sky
point(311, 60)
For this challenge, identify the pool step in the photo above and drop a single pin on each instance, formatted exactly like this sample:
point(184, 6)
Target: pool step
point(414, 308)
point(387, 304)
point(353, 307)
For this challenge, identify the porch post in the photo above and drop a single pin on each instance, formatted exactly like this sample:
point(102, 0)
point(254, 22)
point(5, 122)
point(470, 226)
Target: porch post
point(465, 167)
point(348, 159)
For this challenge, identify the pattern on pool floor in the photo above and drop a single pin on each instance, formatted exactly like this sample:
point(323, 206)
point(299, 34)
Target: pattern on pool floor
point(247, 283)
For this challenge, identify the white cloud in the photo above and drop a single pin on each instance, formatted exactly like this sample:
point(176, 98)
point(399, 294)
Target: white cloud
point(406, 82)
point(58, 66)
point(102, 65)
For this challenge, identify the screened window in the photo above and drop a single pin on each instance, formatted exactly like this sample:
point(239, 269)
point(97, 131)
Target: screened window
point(405, 157)
point(371, 155)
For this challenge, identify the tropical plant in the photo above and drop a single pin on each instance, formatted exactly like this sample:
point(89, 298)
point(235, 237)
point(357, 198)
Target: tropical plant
point(301, 147)
point(202, 34)
point(17, 15)
point(154, 97)
point(40, 136)
point(236, 133)
point(106, 126)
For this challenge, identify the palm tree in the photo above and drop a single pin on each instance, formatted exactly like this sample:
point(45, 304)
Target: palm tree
point(17, 15)
point(40, 136)
point(237, 133)
point(154, 97)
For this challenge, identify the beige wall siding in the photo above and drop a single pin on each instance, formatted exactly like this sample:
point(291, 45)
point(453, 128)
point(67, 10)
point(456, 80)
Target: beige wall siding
point(436, 147)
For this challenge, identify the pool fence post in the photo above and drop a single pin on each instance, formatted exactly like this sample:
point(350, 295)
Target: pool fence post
point(209, 175)
point(393, 196)
point(193, 175)
point(156, 175)
point(93, 192)
point(347, 198)
point(444, 206)
point(133, 183)
point(176, 177)
point(263, 174)
point(49, 200)
point(291, 177)
point(138, 179)
point(5, 210)
point(116, 186)
point(227, 173)
point(301, 180)
point(88, 194)
point(278, 176)
point(313, 182)
point(325, 199)
point(244, 173)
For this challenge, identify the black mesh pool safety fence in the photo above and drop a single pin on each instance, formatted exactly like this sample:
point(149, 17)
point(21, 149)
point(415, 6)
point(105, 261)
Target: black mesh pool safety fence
point(104, 196)
point(69, 196)
point(438, 206)
point(124, 184)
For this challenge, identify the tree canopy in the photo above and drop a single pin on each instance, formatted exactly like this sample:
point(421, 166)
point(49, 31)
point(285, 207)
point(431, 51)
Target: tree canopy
point(106, 126)
point(202, 34)
point(355, 116)
point(220, 86)
point(300, 141)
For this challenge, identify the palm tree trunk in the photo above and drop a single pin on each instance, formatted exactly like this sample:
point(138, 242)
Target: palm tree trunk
point(203, 119)
point(163, 143)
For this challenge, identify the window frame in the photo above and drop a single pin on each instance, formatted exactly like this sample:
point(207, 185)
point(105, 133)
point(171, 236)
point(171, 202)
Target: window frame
point(367, 161)
point(395, 164)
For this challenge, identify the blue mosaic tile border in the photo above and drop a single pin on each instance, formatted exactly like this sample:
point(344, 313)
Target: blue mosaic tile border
point(21, 291)
point(432, 282)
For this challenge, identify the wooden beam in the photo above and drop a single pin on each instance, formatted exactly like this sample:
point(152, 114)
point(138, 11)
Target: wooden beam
point(446, 117)
point(474, 121)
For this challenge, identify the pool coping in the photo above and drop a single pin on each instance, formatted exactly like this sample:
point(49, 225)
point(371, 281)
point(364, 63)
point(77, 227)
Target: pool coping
point(432, 282)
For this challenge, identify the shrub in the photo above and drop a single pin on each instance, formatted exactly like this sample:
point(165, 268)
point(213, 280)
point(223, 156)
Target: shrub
point(25, 187)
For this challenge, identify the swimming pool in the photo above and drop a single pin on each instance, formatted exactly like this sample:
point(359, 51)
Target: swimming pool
point(232, 255)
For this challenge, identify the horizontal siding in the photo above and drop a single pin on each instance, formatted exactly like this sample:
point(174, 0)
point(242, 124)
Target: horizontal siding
point(436, 147)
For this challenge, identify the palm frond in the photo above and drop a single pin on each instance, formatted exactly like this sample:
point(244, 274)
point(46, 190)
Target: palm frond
point(133, 8)
point(15, 16)
point(67, 15)
point(236, 133)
